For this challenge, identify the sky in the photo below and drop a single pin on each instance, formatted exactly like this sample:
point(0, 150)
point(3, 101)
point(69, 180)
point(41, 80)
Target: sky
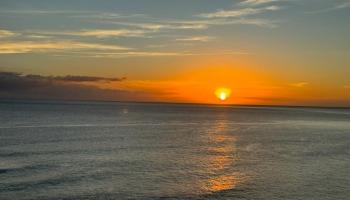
point(266, 52)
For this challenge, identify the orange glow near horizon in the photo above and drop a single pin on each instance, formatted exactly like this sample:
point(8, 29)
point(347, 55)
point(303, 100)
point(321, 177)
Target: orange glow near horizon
point(241, 85)
point(222, 81)
point(213, 85)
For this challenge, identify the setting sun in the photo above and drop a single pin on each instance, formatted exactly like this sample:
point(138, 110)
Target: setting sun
point(222, 93)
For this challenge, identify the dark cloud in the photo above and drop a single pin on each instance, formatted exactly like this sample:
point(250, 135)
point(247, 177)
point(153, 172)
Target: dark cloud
point(17, 85)
point(86, 78)
point(20, 80)
point(10, 81)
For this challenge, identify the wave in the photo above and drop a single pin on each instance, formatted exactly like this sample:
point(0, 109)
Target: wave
point(25, 168)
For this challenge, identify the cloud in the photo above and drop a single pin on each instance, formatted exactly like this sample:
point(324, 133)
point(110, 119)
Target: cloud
point(16, 85)
point(335, 7)
point(342, 5)
point(136, 54)
point(7, 78)
point(160, 25)
point(152, 54)
point(233, 21)
point(6, 33)
point(196, 24)
point(31, 46)
point(82, 78)
point(15, 82)
point(136, 25)
point(174, 26)
point(19, 86)
point(196, 39)
point(256, 2)
point(35, 36)
point(96, 50)
point(205, 23)
point(257, 22)
point(189, 24)
point(108, 15)
point(300, 84)
point(239, 12)
point(110, 33)
point(99, 33)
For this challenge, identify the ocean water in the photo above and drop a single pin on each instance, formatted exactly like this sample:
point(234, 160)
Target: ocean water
point(92, 150)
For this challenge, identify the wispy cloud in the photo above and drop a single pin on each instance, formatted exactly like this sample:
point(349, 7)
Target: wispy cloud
point(196, 39)
point(30, 46)
point(174, 26)
point(133, 25)
point(125, 54)
point(335, 7)
point(233, 21)
point(6, 33)
point(98, 50)
point(342, 5)
point(257, 2)
point(201, 21)
point(109, 16)
point(99, 33)
point(160, 25)
point(257, 22)
point(239, 12)
point(299, 85)
point(37, 36)
point(199, 24)
point(73, 78)
point(103, 33)
point(133, 54)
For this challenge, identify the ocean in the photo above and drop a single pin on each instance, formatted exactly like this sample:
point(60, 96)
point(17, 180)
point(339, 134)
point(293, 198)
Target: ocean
point(110, 150)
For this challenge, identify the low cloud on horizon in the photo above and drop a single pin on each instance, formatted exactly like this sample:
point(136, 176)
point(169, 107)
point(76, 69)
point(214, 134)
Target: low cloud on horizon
point(70, 87)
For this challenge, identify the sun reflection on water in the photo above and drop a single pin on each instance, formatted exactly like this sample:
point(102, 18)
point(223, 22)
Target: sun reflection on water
point(221, 160)
point(224, 182)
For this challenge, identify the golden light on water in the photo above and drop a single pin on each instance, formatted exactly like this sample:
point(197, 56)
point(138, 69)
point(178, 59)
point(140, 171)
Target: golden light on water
point(222, 93)
point(223, 155)
point(224, 182)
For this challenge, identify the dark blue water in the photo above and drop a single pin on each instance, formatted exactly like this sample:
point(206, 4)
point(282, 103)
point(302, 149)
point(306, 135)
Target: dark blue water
point(81, 150)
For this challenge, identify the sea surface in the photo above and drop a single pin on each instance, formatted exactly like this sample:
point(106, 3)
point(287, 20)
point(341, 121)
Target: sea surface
point(101, 150)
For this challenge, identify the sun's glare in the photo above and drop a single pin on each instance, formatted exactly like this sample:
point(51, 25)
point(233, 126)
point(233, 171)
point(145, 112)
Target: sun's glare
point(223, 96)
point(222, 93)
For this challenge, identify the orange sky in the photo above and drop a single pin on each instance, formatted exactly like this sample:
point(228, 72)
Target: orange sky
point(247, 87)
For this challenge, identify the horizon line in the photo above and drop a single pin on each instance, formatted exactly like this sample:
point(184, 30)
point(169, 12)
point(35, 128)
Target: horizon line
point(33, 100)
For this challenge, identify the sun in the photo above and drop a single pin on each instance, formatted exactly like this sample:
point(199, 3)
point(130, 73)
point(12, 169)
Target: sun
point(222, 93)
